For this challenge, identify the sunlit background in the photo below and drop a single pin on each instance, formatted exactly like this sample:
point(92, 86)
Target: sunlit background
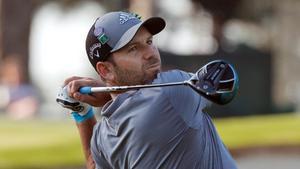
point(42, 42)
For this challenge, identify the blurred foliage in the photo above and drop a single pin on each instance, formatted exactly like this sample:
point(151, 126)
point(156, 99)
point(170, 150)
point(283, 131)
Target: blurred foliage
point(109, 4)
point(224, 8)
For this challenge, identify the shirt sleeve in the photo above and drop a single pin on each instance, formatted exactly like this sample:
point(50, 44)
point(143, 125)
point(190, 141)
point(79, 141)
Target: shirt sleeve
point(98, 157)
point(188, 103)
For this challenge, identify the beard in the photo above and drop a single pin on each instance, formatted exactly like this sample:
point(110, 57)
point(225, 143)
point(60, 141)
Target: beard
point(129, 77)
point(126, 77)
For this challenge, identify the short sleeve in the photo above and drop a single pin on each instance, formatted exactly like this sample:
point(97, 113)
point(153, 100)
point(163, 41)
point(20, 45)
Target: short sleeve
point(188, 103)
point(98, 157)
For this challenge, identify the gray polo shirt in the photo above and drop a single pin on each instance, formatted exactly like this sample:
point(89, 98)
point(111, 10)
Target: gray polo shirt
point(164, 128)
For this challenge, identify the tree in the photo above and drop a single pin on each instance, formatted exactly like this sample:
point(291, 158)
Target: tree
point(15, 28)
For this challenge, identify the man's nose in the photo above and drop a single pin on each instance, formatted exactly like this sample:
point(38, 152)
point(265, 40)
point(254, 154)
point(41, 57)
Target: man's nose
point(149, 51)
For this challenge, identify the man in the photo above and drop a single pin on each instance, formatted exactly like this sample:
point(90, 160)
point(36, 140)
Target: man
point(147, 128)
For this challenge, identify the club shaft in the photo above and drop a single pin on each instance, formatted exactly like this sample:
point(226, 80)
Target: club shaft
point(88, 90)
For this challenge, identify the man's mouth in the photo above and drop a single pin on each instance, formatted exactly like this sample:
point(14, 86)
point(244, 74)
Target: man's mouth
point(152, 66)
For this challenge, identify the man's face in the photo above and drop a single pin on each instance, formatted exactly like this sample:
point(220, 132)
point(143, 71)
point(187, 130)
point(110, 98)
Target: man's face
point(138, 62)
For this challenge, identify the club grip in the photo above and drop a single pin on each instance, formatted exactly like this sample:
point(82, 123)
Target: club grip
point(85, 90)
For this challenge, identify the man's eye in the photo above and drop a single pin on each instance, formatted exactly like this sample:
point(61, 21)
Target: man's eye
point(150, 41)
point(132, 48)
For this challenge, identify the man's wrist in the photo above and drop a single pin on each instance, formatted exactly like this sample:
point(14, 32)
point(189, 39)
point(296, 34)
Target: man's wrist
point(81, 118)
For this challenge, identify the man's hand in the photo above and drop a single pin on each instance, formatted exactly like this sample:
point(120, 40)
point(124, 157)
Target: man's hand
point(66, 101)
point(95, 99)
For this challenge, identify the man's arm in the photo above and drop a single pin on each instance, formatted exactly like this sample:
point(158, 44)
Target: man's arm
point(85, 129)
point(85, 119)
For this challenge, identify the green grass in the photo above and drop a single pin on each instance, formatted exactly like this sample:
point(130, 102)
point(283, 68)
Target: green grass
point(44, 144)
point(260, 131)
point(39, 144)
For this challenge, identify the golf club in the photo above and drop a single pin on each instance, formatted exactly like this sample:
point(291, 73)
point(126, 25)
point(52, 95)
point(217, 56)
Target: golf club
point(217, 81)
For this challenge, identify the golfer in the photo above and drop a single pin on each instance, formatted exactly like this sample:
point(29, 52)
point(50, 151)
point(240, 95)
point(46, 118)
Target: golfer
point(152, 128)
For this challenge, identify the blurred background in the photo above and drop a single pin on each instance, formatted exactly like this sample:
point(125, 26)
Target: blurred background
point(43, 41)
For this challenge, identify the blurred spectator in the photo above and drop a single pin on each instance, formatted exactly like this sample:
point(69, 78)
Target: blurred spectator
point(18, 99)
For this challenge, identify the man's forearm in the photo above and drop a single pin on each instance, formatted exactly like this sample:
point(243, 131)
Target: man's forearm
point(85, 129)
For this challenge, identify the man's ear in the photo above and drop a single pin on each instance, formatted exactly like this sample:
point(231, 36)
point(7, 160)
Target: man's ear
point(105, 70)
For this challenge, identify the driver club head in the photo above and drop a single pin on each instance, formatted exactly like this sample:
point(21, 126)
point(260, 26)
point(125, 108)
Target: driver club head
point(217, 81)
